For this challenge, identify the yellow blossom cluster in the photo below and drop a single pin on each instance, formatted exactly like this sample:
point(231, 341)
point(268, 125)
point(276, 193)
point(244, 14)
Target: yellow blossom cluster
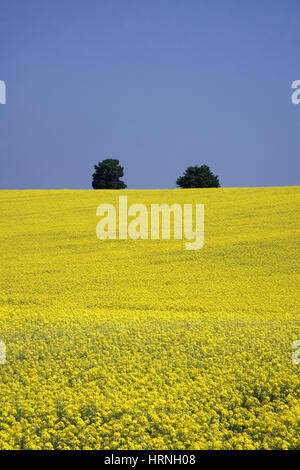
point(141, 344)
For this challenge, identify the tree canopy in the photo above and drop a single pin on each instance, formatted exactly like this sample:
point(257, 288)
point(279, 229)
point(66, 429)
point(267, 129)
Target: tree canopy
point(107, 175)
point(198, 177)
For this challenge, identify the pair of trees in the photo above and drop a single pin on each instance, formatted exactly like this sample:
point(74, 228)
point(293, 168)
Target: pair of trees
point(108, 173)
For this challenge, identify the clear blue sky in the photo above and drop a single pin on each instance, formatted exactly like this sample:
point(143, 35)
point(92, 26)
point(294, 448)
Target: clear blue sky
point(158, 84)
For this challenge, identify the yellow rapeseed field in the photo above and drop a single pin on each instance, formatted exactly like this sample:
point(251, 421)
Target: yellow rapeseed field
point(124, 344)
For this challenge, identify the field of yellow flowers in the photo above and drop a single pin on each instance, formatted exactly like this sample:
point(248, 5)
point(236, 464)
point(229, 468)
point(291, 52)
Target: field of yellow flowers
point(124, 344)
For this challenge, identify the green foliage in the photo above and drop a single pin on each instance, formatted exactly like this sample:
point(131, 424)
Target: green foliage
point(107, 175)
point(198, 177)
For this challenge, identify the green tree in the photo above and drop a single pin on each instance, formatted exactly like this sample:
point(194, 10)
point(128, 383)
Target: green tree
point(107, 175)
point(198, 177)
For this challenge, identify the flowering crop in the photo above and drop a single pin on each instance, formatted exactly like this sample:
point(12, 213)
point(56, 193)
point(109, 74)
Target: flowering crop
point(140, 344)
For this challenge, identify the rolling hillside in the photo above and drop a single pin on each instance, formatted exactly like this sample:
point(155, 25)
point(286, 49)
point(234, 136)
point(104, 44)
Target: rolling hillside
point(141, 344)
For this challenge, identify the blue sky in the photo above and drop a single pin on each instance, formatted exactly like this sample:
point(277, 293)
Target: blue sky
point(158, 84)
